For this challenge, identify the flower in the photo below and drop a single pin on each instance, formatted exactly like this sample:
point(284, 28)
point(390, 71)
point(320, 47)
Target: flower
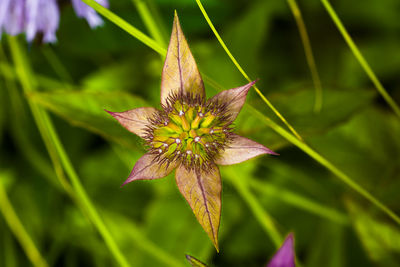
point(190, 134)
point(40, 16)
point(284, 257)
point(82, 10)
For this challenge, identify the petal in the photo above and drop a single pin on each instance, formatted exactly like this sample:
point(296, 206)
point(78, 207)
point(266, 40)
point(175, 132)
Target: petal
point(4, 9)
point(135, 120)
point(284, 257)
point(202, 190)
point(82, 10)
point(233, 99)
point(241, 149)
point(148, 167)
point(180, 73)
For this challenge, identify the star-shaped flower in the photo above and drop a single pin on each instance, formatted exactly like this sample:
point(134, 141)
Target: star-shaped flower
point(190, 134)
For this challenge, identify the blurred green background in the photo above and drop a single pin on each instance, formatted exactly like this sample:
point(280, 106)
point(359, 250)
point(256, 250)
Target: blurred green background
point(91, 70)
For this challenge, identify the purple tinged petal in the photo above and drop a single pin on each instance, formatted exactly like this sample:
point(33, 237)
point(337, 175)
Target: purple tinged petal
point(82, 10)
point(202, 190)
point(149, 168)
point(285, 256)
point(180, 73)
point(135, 120)
point(233, 98)
point(241, 149)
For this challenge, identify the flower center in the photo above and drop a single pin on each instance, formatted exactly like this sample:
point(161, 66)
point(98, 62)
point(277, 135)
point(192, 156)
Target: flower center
point(189, 131)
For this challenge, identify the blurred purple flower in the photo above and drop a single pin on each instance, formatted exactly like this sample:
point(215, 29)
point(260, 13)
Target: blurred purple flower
point(284, 257)
point(82, 10)
point(41, 16)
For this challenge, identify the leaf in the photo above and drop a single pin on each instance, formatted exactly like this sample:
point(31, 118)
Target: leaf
point(195, 262)
point(380, 239)
point(202, 190)
point(86, 109)
point(180, 73)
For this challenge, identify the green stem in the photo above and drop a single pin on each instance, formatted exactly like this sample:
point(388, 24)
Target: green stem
point(149, 22)
point(19, 231)
point(269, 104)
point(357, 53)
point(43, 119)
point(126, 26)
point(308, 52)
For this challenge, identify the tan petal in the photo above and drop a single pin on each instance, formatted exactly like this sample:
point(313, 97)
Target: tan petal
point(202, 190)
point(148, 168)
point(233, 99)
point(135, 120)
point(180, 73)
point(241, 149)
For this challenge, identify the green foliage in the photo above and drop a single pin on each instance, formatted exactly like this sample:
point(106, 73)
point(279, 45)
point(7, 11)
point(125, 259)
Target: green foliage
point(262, 199)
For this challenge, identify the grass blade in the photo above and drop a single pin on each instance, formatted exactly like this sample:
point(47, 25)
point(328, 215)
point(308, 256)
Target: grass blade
point(18, 230)
point(43, 119)
point(299, 201)
point(149, 22)
point(308, 52)
point(357, 53)
point(277, 113)
point(126, 27)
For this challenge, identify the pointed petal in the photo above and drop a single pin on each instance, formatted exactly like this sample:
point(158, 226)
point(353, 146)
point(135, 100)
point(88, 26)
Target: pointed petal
point(202, 190)
point(180, 73)
point(149, 168)
point(195, 262)
point(284, 257)
point(135, 120)
point(233, 98)
point(241, 149)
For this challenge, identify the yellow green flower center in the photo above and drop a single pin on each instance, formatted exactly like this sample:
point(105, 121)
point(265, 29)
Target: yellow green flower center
point(190, 131)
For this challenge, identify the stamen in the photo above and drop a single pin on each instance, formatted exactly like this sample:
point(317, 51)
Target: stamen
point(188, 152)
point(181, 113)
point(197, 139)
point(177, 140)
point(211, 131)
point(160, 150)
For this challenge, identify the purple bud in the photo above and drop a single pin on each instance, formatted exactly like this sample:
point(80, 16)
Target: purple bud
point(82, 10)
point(284, 257)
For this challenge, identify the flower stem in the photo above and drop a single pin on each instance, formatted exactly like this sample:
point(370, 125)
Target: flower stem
point(43, 121)
point(18, 229)
point(309, 54)
point(357, 53)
